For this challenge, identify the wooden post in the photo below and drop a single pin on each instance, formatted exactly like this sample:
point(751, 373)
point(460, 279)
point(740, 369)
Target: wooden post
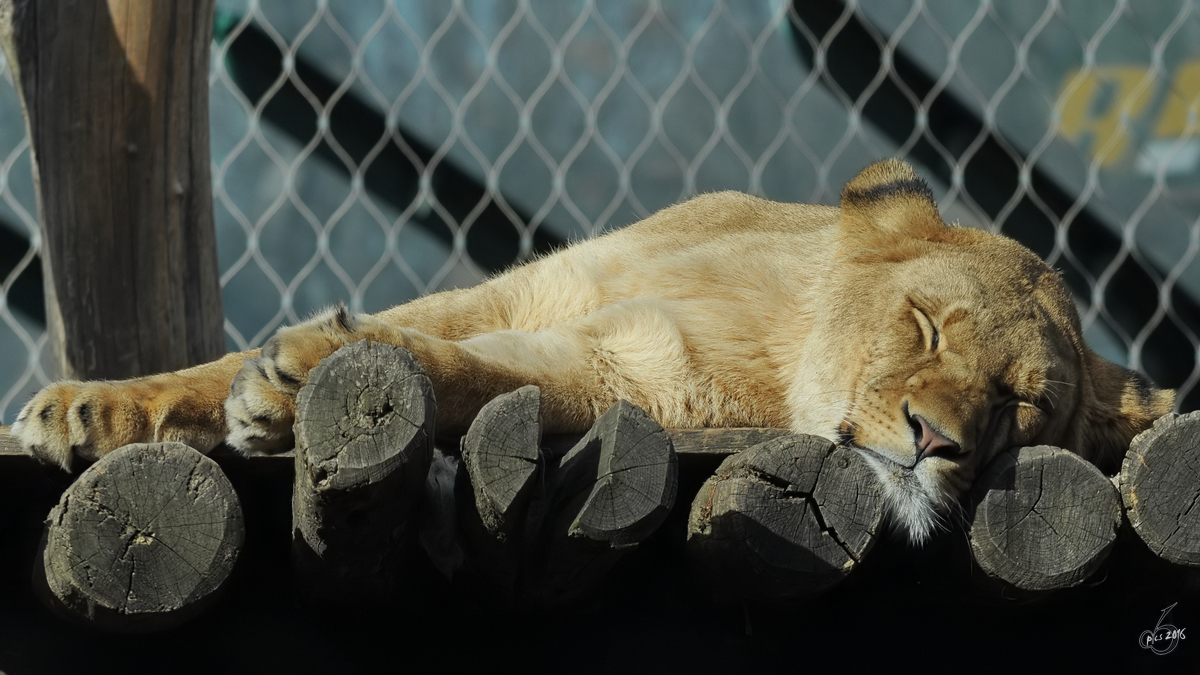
point(364, 439)
point(143, 538)
point(1044, 518)
point(784, 520)
point(1160, 486)
point(115, 96)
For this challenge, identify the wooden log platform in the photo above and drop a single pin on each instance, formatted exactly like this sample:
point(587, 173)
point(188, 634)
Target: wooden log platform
point(142, 539)
point(1160, 487)
point(1043, 518)
point(784, 520)
point(541, 528)
point(764, 528)
point(364, 438)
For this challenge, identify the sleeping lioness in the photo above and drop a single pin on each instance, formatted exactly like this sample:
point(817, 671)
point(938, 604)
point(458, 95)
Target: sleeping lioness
point(928, 348)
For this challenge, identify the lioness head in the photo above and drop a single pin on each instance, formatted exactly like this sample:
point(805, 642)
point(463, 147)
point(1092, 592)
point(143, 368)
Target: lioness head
point(961, 344)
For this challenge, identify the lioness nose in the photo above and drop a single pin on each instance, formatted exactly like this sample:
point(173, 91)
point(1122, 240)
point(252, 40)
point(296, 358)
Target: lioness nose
point(931, 442)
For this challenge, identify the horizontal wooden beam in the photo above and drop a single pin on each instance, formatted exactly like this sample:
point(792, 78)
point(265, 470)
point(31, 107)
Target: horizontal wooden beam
point(9, 445)
point(721, 441)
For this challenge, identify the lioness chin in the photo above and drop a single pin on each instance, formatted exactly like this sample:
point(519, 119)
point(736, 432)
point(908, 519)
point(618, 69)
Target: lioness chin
point(929, 348)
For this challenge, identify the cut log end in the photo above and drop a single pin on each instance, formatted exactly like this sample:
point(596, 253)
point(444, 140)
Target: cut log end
point(143, 538)
point(635, 477)
point(364, 439)
point(540, 531)
point(1160, 487)
point(1044, 518)
point(501, 451)
point(366, 410)
point(784, 520)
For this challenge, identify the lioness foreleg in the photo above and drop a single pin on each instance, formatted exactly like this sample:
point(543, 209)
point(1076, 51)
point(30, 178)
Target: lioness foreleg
point(630, 350)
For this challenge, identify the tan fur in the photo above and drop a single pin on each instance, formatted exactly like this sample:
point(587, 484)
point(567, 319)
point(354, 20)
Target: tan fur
point(875, 324)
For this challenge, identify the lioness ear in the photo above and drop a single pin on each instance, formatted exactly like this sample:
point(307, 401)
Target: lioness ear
point(889, 197)
point(1123, 404)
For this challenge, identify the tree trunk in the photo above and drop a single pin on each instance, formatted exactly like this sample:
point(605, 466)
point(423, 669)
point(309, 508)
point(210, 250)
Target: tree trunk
point(116, 102)
point(539, 528)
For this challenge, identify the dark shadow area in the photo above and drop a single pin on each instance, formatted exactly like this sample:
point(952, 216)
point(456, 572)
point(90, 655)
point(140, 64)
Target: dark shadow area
point(906, 609)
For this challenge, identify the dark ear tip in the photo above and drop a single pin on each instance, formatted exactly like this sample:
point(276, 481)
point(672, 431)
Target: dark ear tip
point(885, 180)
point(1157, 402)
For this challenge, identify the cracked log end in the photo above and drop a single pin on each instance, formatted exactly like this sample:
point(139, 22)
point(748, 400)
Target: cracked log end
point(142, 539)
point(631, 476)
point(784, 520)
point(364, 442)
point(1044, 518)
point(366, 411)
point(1160, 486)
point(539, 530)
point(501, 464)
point(609, 493)
point(501, 451)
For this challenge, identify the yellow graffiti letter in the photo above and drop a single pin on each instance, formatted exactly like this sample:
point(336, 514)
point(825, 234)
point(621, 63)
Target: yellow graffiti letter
point(1183, 95)
point(1101, 102)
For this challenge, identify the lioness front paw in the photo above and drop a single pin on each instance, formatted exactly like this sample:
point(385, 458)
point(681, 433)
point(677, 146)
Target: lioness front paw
point(80, 419)
point(258, 413)
point(261, 406)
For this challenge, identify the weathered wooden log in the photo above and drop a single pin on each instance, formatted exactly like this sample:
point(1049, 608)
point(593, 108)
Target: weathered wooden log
point(364, 435)
point(723, 441)
point(625, 470)
point(1160, 487)
point(784, 520)
point(142, 539)
point(501, 457)
point(542, 528)
point(606, 495)
point(124, 199)
point(1043, 518)
point(501, 452)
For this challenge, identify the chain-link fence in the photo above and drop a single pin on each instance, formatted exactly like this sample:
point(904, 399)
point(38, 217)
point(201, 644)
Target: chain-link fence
point(374, 151)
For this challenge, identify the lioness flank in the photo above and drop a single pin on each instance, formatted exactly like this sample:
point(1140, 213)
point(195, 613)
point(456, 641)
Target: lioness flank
point(928, 348)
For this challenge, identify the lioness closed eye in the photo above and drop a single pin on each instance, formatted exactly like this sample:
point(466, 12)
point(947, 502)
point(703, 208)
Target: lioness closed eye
point(929, 348)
